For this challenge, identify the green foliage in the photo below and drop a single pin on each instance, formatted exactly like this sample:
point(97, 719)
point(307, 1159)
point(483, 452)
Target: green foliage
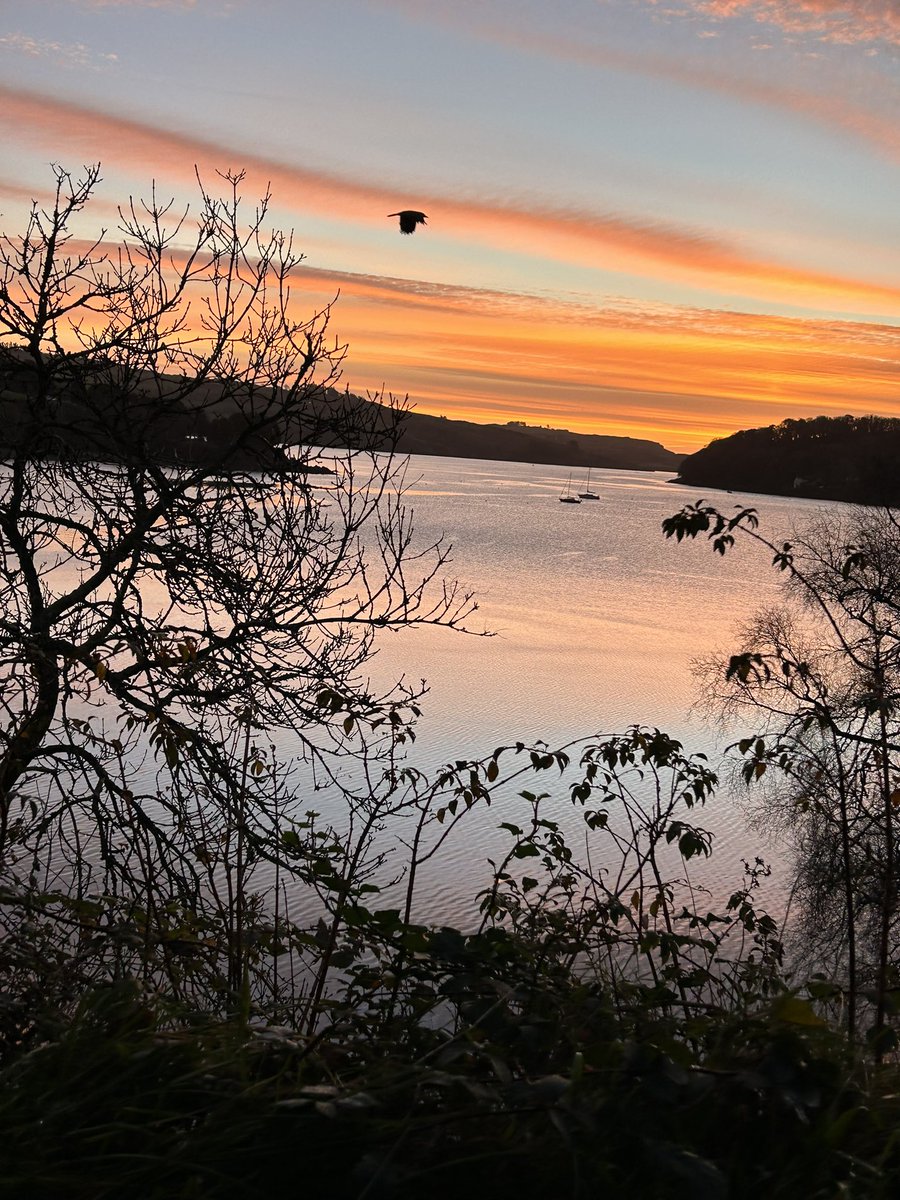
point(603, 1030)
point(701, 517)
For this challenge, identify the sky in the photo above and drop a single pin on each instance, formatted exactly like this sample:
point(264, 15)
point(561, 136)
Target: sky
point(666, 219)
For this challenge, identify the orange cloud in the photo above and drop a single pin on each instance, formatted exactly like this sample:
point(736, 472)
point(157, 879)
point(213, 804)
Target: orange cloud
point(680, 376)
point(606, 241)
point(20, 193)
point(676, 375)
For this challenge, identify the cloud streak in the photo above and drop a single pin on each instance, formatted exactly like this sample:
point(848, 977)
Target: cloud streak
point(830, 110)
point(675, 374)
point(846, 22)
point(833, 112)
point(70, 54)
point(605, 241)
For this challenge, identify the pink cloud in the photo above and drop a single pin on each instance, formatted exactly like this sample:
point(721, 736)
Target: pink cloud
point(70, 54)
point(832, 110)
point(607, 241)
point(857, 21)
point(848, 22)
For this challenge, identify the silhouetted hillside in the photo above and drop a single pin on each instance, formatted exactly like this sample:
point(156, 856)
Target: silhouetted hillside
point(97, 409)
point(378, 427)
point(834, 458)
point(91, 410)
point(517, 442)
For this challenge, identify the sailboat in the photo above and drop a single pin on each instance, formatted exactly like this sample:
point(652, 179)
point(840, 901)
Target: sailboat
point(567, 497)
point(587, 494)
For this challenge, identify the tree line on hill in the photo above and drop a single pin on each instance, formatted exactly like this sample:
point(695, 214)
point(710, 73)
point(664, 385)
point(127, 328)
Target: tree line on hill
point(832, 458)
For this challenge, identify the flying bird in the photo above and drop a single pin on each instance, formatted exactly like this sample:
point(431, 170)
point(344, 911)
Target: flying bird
point(409, 219)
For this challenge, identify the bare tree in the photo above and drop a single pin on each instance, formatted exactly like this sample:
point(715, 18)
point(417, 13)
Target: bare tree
point(174, 585)
point(820, 679)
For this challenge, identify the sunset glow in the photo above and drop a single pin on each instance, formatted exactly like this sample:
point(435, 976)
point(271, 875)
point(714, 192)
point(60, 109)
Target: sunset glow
point(642, 220)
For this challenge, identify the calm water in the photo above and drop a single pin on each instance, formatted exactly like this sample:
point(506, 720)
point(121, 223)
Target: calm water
point(596, 620)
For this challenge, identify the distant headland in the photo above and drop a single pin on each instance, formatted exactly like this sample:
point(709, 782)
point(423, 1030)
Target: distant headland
point(853, 459)
point(518, 442)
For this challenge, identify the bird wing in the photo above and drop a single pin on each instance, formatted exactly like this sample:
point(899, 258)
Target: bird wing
point(409, 219)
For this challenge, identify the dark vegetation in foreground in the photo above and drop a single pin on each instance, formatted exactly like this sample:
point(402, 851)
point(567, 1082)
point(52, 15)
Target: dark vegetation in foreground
point(215, 978)
point(828, 458)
